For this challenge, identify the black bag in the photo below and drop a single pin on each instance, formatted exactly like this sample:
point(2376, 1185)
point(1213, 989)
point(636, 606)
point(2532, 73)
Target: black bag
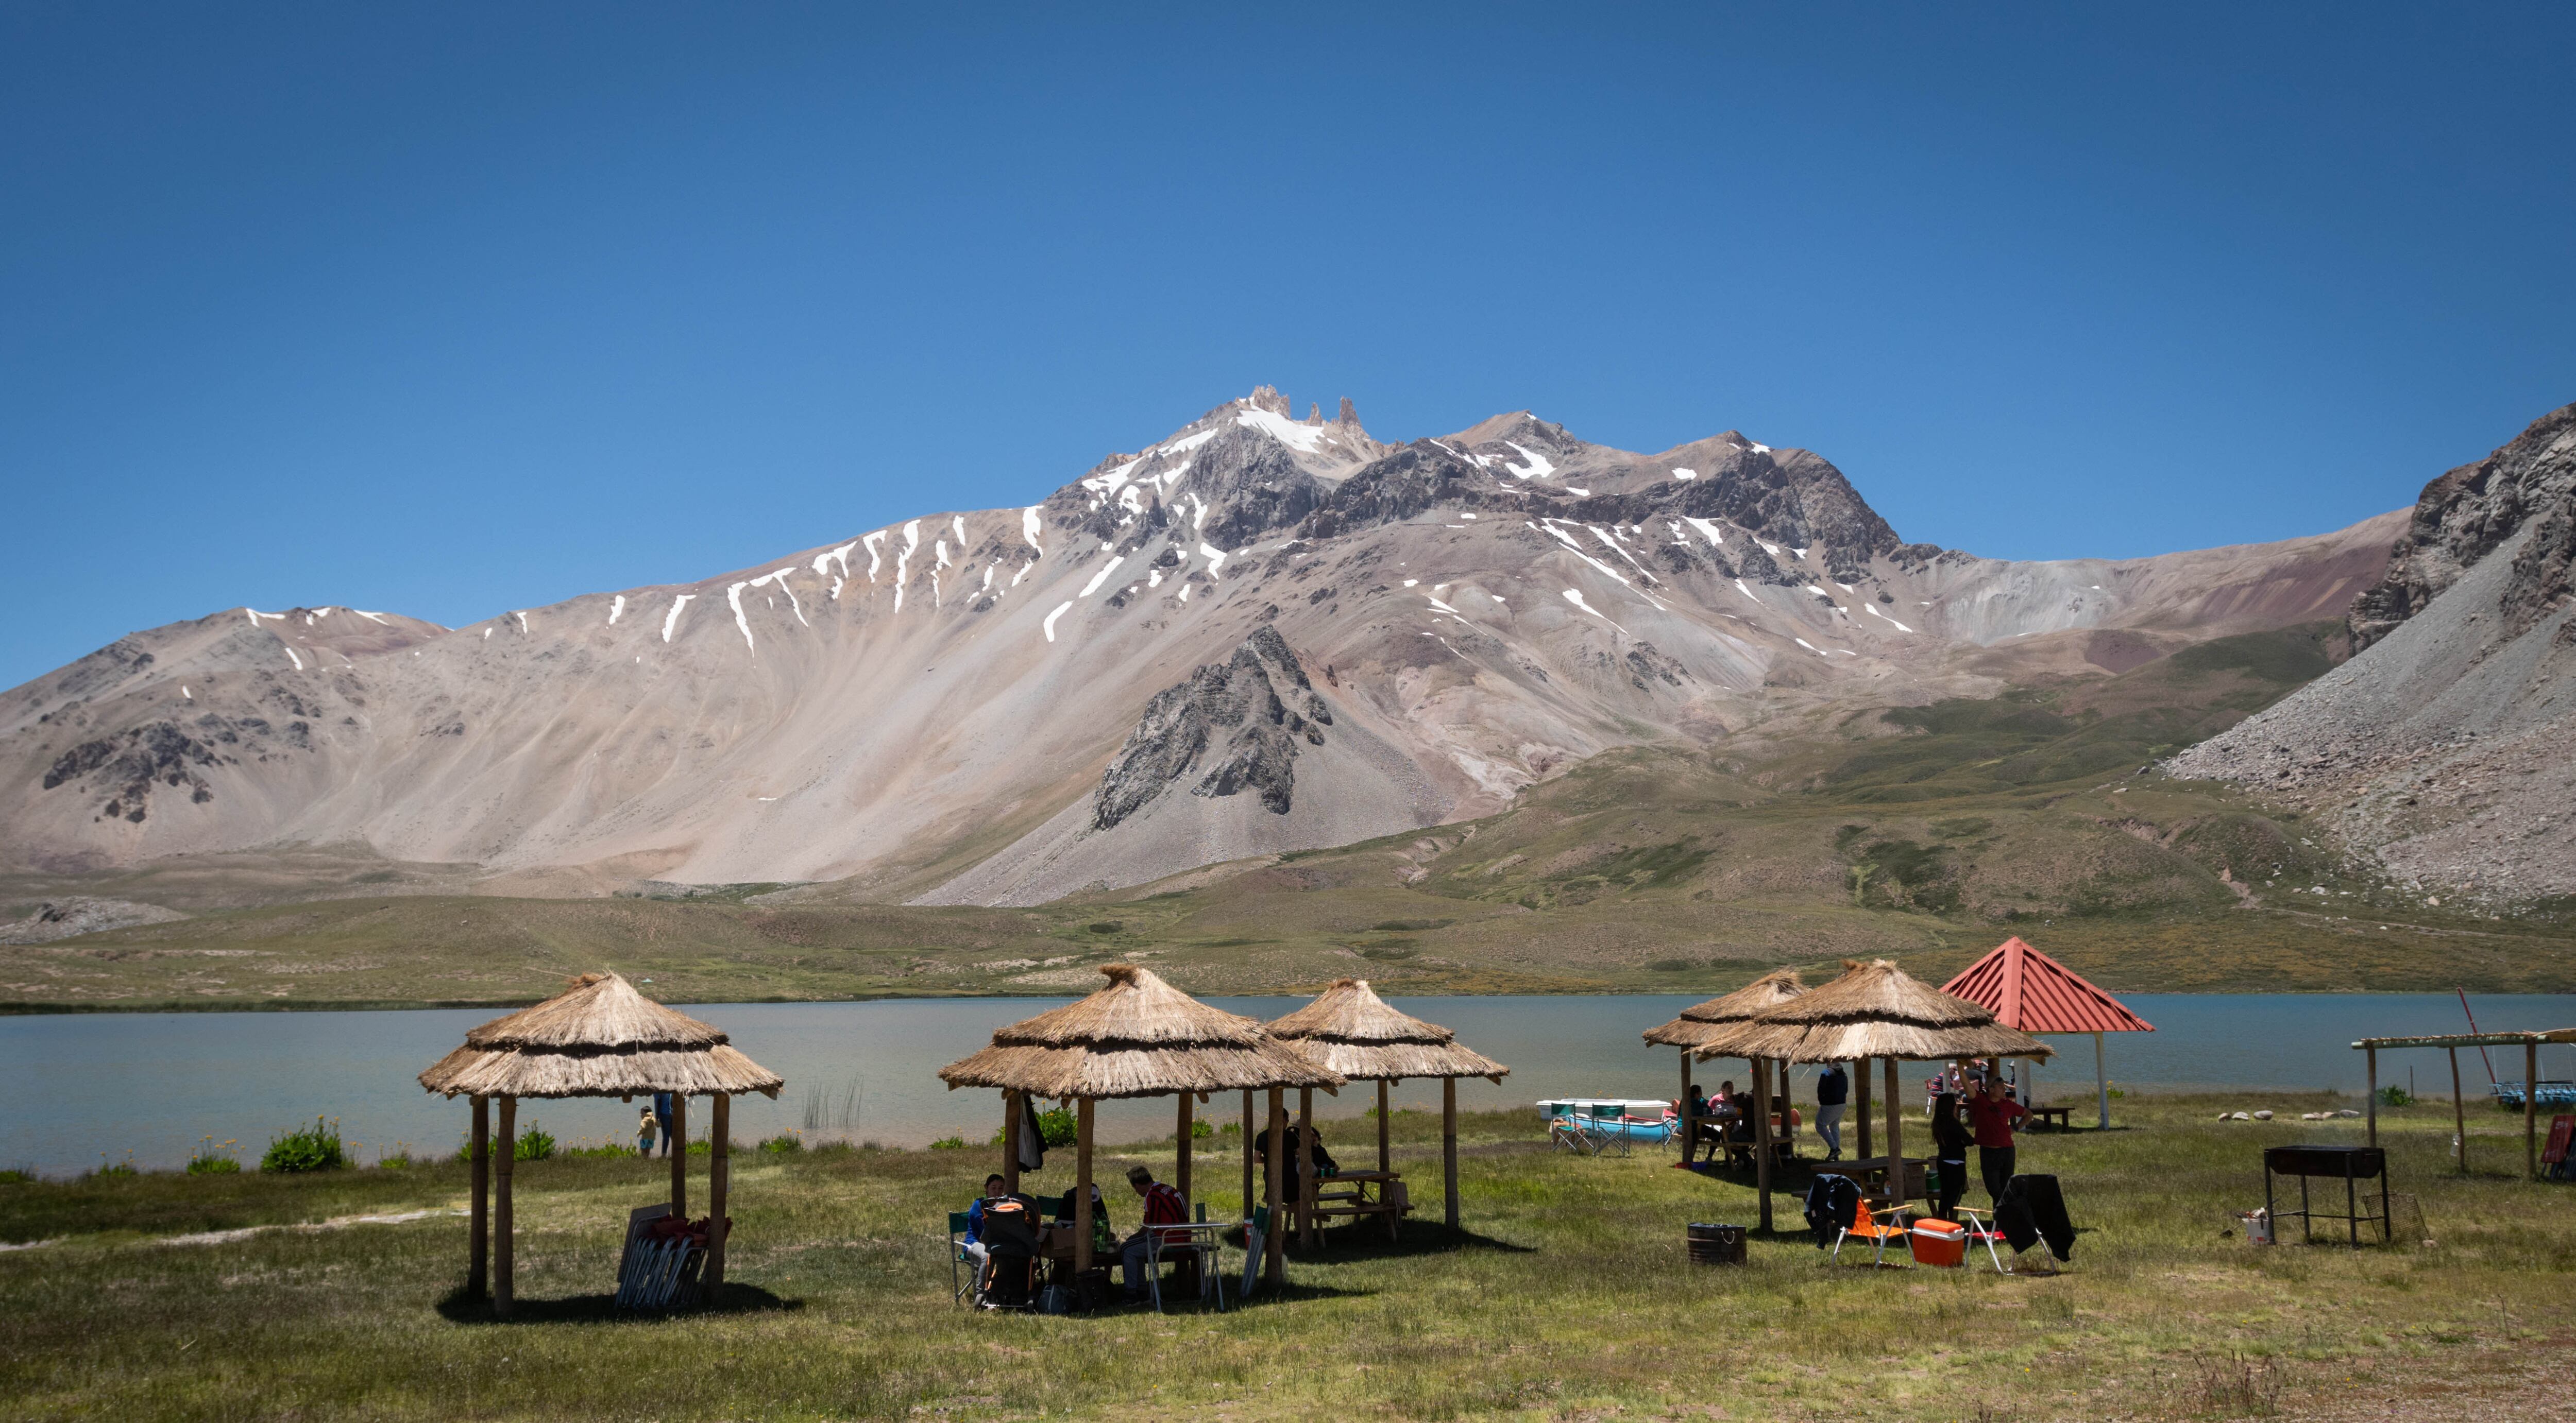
point(1831, 1200)
point(2032, 1210)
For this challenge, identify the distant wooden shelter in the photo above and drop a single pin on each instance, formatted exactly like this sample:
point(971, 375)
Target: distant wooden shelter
point(1877, 1010)
point(1354, 1034)
point(598, 1038)
point(2030, 991)
point(2452, 1043)
point(1137, 1037)
point(1702, 1032)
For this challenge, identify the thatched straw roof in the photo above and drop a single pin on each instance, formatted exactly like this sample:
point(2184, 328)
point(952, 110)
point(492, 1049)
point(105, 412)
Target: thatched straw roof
point(1136, 1037)
point(1876, 1010)
point(1706, 1022)
point(1352, 1031)
point(598, 1038)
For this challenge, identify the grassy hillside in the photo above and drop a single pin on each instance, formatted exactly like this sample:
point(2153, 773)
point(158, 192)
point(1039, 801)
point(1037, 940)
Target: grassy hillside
point(1921, 833)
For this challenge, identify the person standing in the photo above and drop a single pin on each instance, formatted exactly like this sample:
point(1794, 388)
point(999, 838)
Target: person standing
point(1949, 1155)
point(662, 1115)
point(1833, 1090)
point(645, 1128)
point(1991, 1115)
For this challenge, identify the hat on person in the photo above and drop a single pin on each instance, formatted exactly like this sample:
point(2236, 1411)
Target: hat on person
point(1139, 1175)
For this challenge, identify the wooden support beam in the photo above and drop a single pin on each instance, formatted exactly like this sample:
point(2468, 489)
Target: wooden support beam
point(678, 1147)
point(1385, 1157)
point(1082, 1186)
point(1010, 1141)
point(719, 1176)
point(501, 1226)
point(1306, 1184)
point(1449, 1148)
point(1690, 1132)
point(2101, 1087)
point(2370, 1060)
point(1250, 1137)
point(1860, 1106)
point(1895, 1134)
point(1181, 1164)
point(2531, 1108)
point(478, 1227)
point(1762, 1138)
point(2459, 1116)
point(1274, 1243)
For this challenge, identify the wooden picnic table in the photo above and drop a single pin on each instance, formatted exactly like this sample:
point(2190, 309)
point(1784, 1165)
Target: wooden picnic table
point(2058, 1117)
point(1871, 1172)
point(1357, 1200)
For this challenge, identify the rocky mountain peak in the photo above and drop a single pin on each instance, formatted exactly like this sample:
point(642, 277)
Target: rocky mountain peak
point(2470, 512)
point(1232, 727)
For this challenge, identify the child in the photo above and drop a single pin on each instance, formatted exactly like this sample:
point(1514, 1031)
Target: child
point(645, 1128)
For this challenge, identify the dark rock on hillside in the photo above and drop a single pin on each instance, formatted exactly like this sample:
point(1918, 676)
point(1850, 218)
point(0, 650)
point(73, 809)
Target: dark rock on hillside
point(2466, 514)
point(1241, 719)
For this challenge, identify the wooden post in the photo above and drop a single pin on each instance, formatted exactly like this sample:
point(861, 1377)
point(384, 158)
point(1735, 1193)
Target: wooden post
point(679, 1149)
point(2101, 1087)
point(1010, 1141)
point(1248, 1139)
point(2459, 1116)
point(1860, 1104)
point(2531, 1107)
point(1690, 1133)
point(1762, 1138)
point(501, 1208)
point(2370, 1061)
point(1385, 1158)
point(1895, 1135)
point(1449, 1147)
point(1274, 1244)
point(478, 1227)
point(1082, 1186)
point(1306, 1183)
point(719, 1175)
point(1181, 1166)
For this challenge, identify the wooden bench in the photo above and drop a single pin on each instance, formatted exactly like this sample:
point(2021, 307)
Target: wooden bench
point(2057, 1117)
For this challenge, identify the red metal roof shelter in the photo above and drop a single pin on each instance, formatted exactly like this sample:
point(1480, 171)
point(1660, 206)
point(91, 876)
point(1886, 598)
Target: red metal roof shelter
point(2030, 991)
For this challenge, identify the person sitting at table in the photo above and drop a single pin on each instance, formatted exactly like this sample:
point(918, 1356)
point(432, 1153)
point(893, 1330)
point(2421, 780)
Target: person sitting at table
point(1163, 1207)
point(1740, 1132)
point(1316, 1156)
point(1710, 1126)
point(977, 1247)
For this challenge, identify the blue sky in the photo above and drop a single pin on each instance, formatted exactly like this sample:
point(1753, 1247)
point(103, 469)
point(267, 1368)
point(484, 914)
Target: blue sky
point(452, 309)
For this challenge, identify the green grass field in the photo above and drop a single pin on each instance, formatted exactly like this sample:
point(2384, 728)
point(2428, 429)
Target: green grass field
point(1567, 1296)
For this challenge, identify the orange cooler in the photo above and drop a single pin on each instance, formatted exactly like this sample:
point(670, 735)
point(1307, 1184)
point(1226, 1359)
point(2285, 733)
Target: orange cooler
point(1937, 1242)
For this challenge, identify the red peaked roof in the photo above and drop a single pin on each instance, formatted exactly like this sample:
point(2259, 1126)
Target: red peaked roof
point(2030, 991)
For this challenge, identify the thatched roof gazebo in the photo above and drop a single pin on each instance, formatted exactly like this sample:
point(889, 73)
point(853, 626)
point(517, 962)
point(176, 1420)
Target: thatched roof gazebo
point(1353, 1032)
point(1876, 1009)
point(1137, 1036)
point(1701, 1032)
point(598, 1038)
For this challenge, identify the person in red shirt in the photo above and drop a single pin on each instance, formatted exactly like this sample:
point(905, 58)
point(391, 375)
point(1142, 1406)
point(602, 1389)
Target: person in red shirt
point(1163, 1206)
point(1991, 1115)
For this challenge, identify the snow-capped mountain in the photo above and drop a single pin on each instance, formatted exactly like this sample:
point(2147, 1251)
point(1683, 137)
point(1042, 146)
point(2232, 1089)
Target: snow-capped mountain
point(1259, 633)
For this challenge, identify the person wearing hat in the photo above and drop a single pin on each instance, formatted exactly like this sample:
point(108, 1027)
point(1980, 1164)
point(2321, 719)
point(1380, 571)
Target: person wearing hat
point(1163, 1207)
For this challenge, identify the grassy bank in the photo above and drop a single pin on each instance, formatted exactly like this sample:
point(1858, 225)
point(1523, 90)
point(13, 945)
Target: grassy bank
point(1567, 1296)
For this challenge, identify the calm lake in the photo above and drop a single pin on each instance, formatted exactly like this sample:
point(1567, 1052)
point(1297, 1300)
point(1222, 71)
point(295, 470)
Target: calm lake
point(148, 1086)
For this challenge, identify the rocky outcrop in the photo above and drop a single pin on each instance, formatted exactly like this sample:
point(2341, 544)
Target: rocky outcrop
point(2469, 513)
point(1234, 726)
point(80, 914)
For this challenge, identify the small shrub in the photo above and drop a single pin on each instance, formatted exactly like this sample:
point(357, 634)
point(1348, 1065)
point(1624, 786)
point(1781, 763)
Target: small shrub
point(1056, 1127)
point(1201, 1129)
point(701, 1148)
point(117, 1168)
point(213, 1159)
point(1106, 926)
point(313, 1148)
point(2396, 1097)
point(14, 1177)
point(949, 1143)
point(783, 1144)
point(534, 1144)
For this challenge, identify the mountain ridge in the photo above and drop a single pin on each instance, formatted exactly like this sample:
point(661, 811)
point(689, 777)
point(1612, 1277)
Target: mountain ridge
point(1488, 607)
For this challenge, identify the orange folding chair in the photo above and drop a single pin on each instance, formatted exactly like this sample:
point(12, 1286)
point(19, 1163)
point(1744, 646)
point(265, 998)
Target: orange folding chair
point(1865, 1225)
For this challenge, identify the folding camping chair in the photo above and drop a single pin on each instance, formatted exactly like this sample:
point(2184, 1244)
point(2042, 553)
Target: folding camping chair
point(2555, 1155)
point(1983, 1232)
point(1864, 1225)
